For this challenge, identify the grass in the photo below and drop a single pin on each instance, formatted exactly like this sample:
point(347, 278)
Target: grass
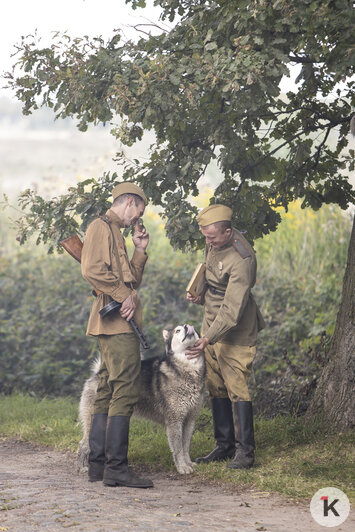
point(292, 458)
point(49, 422)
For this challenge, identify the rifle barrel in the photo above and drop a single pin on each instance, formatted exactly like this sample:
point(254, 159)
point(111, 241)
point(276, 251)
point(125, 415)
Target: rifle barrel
point(139, 333)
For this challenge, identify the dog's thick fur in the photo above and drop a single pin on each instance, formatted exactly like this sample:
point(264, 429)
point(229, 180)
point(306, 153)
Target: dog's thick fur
point(172, 391)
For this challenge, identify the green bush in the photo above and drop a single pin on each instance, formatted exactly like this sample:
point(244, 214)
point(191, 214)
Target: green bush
point(300, 272)
point(43, 314)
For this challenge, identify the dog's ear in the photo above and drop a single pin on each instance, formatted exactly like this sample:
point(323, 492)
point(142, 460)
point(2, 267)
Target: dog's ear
point(168, 335)
point(167, 340)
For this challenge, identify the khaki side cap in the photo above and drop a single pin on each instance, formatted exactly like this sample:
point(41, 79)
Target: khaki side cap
point(129, 188)
point(214, 213)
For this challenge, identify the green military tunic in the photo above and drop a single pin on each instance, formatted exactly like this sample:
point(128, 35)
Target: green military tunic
point(231, 313)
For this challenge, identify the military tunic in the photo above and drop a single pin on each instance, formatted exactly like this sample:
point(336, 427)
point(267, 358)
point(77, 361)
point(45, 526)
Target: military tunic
point(99, 267)
point(119, 373)
point(231, 314)
point(231, 319)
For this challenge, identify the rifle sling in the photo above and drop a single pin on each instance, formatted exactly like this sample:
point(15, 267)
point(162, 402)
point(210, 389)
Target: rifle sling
point(106, 219)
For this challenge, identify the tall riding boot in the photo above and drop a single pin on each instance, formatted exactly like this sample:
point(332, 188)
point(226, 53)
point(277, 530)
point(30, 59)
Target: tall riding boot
point(116, 471)
point(223, 431)
point(244, 435)
point(97, 437)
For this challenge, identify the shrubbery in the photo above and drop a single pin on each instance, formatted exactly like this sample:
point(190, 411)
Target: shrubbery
point(300, 276)
point(44, 307)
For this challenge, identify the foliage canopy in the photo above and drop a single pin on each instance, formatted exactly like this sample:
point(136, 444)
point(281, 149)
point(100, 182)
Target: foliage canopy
point(209, 90)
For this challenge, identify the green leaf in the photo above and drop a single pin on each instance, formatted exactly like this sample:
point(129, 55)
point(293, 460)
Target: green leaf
point(211, 46)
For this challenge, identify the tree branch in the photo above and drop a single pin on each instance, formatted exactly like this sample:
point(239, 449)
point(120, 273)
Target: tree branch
point(304, 60)
point(319, 149)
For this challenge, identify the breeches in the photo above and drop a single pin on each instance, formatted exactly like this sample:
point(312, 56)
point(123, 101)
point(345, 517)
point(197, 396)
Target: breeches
point(119, 374)
point(228, 369)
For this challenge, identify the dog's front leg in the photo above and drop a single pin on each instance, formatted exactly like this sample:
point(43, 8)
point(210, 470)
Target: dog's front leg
point(83, 450)
point(86, 407)
point(174, 432)
point(187, 431)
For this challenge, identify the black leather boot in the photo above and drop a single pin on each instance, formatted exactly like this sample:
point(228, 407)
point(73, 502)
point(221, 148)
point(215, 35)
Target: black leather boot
point(223, 431)
point(244, 435)
point(97, 437)
point(116, 471)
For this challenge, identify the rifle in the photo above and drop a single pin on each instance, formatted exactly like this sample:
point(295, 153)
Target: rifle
point(73, 245)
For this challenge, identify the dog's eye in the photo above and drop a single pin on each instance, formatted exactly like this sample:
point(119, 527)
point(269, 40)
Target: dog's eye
point(177, 331)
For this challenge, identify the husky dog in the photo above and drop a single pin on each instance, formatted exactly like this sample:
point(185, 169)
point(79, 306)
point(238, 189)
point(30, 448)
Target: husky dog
point(172, 392)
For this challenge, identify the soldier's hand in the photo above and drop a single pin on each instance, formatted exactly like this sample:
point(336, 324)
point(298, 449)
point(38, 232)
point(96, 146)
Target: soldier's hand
point(128, 308)
point(140, 237)
point(193, 299)
point(198, 348)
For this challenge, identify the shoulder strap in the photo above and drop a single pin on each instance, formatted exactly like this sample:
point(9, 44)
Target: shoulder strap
point(205, 253)
point(106, 219)
point(241, 249)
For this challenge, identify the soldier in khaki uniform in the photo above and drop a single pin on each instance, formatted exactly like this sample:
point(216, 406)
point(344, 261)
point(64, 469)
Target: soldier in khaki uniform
point(106, 266)
point(229, 331)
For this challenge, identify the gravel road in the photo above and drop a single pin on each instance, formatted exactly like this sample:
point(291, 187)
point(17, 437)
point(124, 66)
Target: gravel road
point(40, 490)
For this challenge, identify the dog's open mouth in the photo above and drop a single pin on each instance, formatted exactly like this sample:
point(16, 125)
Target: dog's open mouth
point(189, 332)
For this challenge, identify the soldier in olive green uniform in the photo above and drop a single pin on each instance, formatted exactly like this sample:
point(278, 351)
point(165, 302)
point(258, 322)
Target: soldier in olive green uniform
point(229, 332)
point(106, 266)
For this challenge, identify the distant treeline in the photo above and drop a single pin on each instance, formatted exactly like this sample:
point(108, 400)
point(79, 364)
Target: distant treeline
point(44, 307)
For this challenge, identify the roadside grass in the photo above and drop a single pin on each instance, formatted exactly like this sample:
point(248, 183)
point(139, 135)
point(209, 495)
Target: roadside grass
point(292, 458)
point(49, 422)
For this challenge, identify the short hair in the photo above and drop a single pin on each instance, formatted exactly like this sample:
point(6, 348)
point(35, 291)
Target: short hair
point(123, 197)
point(223, 225)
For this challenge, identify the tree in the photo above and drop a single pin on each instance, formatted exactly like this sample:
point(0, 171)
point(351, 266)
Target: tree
point(209, 90)
point(334, 395)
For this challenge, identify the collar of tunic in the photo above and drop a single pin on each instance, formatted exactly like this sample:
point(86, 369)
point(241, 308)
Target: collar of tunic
point(115, 218)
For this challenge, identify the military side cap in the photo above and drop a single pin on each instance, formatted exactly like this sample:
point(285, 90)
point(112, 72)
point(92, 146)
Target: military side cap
point(129, 188)
point(214, 213)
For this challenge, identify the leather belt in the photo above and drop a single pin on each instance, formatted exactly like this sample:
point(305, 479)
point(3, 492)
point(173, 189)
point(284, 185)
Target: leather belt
point(97, 293)
point(214, 291)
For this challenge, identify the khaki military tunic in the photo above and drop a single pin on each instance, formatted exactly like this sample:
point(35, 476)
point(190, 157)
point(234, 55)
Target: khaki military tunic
point(231, 313)
point(99, 267)
point(231, 319)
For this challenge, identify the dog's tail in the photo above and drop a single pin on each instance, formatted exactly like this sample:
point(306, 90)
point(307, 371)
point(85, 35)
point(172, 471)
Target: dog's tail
point(96, 365)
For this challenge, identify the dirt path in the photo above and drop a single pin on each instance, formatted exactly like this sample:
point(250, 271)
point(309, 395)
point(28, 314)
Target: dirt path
point(41, 491)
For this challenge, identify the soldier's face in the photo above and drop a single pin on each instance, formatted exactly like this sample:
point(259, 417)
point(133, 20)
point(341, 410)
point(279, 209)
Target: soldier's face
point(215, 236)
point(132, 212)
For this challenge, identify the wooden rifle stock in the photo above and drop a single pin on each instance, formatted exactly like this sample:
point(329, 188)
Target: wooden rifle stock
point(73, 245)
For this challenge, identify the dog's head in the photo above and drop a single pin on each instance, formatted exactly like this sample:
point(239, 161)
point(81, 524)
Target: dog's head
point(179, 339)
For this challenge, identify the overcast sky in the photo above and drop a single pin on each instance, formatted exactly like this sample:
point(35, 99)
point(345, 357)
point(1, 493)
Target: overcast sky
point(77, 17)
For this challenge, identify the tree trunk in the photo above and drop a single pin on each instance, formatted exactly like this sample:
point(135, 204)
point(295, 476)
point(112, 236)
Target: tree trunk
point(335, 393)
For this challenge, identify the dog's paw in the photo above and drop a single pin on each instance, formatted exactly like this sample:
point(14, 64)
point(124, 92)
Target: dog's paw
point(189, 462)
point(82, 459)
point(185, 469)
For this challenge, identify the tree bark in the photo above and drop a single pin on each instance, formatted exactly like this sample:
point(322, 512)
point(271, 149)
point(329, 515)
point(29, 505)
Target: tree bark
point(335, 393)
